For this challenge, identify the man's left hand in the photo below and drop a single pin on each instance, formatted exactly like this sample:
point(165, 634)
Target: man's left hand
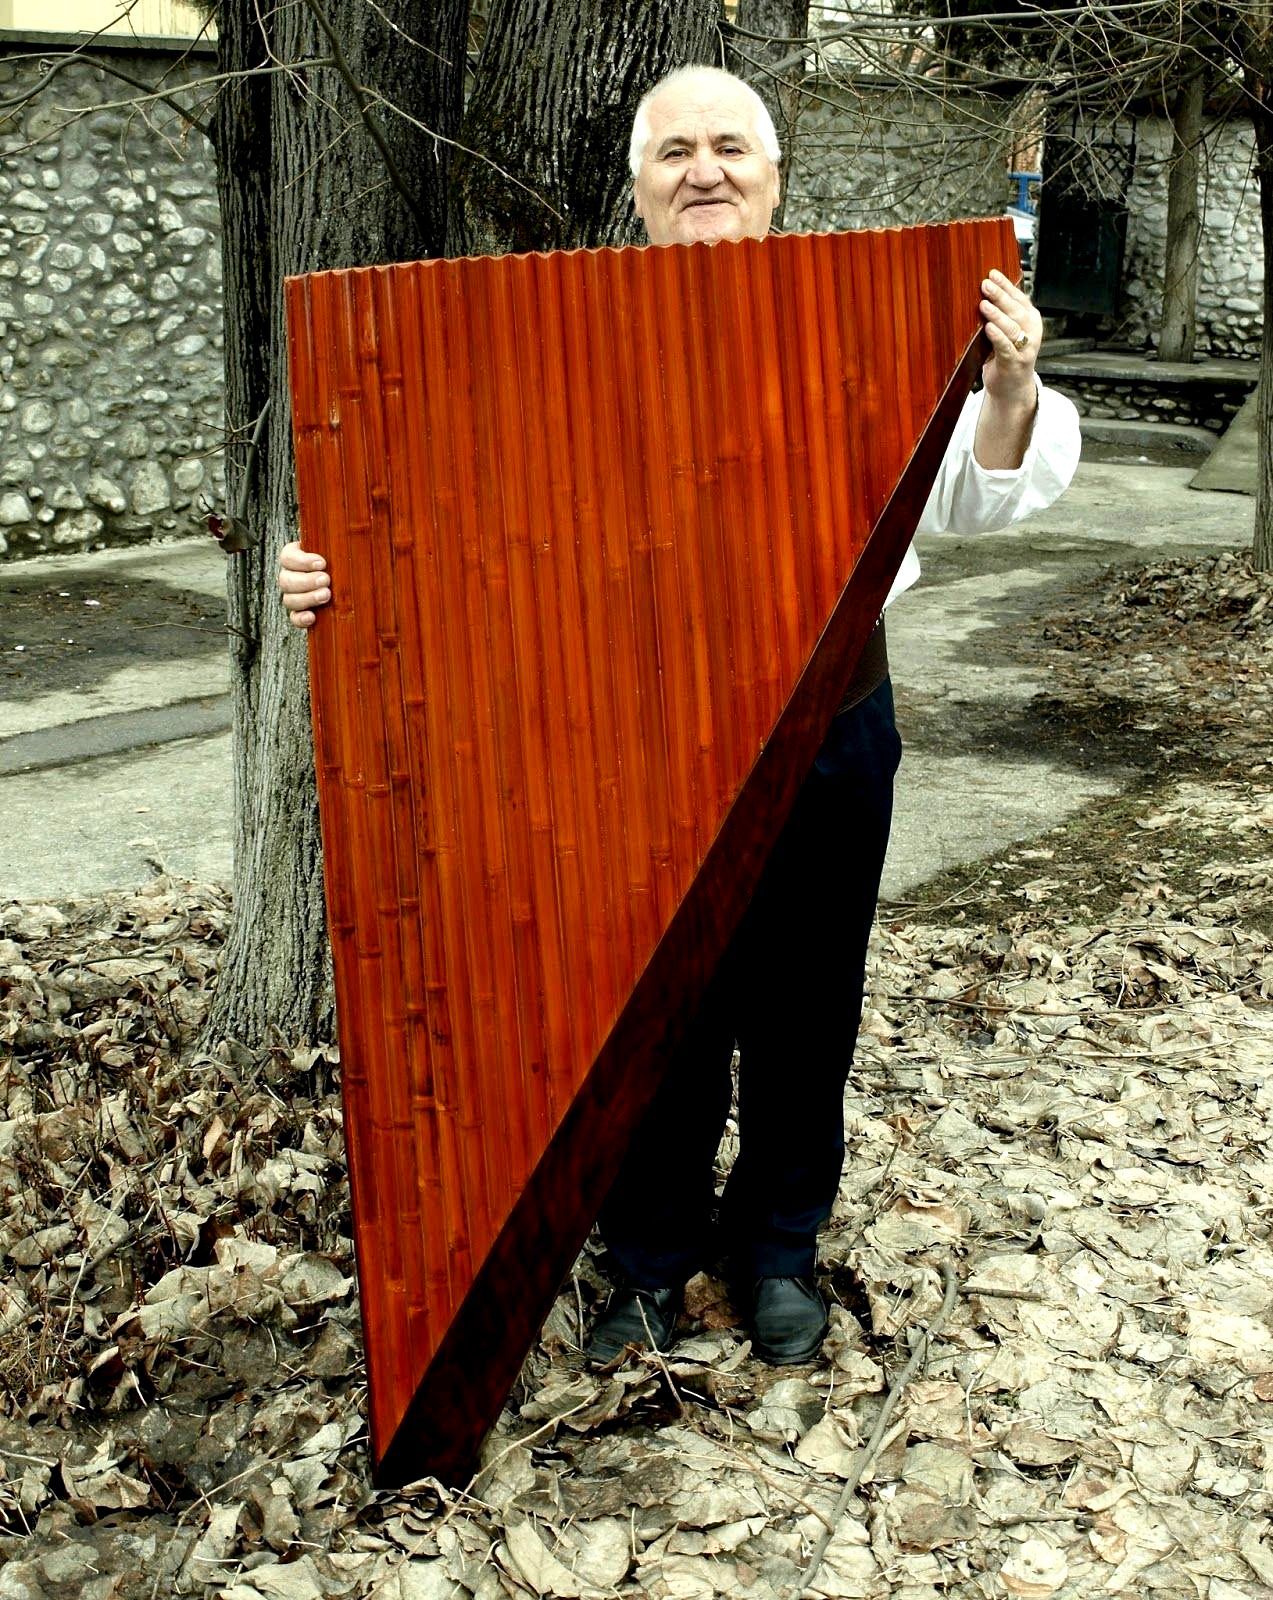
point(1015, 331)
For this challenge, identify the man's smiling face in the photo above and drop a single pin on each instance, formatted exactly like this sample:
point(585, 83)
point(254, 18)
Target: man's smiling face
point(704, 174)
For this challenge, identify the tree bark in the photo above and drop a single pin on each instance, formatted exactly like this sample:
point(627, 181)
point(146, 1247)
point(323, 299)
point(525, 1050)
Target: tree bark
point(1180, 278)
point(755, 59)
point(557, 87)
point(302, 178)
point(305, 158)
point(1262, 114)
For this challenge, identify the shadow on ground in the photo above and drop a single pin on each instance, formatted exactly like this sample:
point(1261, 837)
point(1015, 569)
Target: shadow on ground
point(66, 633)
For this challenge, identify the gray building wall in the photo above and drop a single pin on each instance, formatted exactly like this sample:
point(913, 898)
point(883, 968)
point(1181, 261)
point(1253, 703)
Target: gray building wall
point(1230, 285)
point(111, 423)
point(110, 308)
point(871, 156)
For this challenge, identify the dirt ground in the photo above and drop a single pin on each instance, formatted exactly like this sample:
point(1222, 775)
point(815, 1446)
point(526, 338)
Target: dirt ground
point(79, 628)
point(1160, 670)
point(1055, 1211)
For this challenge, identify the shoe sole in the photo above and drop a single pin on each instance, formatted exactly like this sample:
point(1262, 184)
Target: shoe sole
point(771, 1358)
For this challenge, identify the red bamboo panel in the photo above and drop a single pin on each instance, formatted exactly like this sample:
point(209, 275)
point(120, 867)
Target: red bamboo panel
point(607, 531)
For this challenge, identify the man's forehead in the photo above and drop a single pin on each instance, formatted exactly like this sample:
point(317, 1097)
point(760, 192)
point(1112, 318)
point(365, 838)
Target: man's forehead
point(691, 106)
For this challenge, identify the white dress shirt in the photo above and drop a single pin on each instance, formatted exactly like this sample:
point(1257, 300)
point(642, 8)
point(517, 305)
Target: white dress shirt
point(969, 498)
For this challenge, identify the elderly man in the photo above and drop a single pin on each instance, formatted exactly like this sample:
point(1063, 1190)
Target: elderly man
point(788, 992)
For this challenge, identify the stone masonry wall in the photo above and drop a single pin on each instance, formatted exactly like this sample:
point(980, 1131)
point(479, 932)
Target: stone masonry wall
point(1232, 253)
point(111, 420)
point(110, 310)
point(869, 157)
point(1212, 405)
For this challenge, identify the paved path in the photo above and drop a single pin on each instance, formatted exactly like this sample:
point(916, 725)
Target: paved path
point(113, 754)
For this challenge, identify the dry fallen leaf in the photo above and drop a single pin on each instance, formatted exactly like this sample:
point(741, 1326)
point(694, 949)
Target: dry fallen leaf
point(1063, 1081)
point(1034, 1571)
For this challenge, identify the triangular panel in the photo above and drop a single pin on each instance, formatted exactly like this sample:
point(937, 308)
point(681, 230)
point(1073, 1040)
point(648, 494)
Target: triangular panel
point(607, 531)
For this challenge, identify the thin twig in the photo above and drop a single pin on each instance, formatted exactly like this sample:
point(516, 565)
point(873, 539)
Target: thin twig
point(409, 1555)
point(968, 1292)
point(658, 1356)
point(370, 122)
point(867, 1455)
point(111, 71)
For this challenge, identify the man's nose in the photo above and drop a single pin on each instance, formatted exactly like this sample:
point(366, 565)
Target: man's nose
point(705, 170)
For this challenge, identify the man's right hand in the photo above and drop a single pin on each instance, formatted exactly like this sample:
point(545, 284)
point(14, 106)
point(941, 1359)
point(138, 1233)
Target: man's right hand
point(302, 578)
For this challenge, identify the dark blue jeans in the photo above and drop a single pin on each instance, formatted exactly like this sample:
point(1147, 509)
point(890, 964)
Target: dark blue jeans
point(789, 993)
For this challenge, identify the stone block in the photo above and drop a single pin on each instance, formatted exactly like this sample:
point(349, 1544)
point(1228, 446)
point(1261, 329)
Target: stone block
point(65, 255)
point(15, 509)
point(189, 474)
point(37, 416)
point(104, 492)
point(79, 528)
point(149, 489)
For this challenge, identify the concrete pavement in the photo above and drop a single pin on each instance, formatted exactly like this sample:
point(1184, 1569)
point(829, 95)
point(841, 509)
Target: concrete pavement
point(114, 756)
point(1234, 463)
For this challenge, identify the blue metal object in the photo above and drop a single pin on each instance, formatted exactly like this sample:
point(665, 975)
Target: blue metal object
point(1024, 200)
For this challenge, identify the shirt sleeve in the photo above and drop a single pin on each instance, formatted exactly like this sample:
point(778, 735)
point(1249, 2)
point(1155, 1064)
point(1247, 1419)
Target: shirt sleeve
point(969, 498)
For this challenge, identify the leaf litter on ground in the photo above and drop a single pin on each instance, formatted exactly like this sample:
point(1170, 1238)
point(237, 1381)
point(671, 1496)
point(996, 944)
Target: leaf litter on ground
point(1067, 1097)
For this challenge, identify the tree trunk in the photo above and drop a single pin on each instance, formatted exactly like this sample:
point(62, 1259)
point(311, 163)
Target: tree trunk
point(1262, 113)
point(1180, 280)
point(557, 86)
point(303, 187)
point(778, 23)
point(304, 164)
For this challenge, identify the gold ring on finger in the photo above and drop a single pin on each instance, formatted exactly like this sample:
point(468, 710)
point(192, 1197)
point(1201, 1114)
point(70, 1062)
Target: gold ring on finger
point(1021, 340)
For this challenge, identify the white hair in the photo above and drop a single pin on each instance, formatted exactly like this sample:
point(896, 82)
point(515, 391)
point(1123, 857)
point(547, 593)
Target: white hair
point(764, 123)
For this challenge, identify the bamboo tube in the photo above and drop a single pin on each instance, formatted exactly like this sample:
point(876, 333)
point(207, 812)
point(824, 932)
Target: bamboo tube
point(603, 529)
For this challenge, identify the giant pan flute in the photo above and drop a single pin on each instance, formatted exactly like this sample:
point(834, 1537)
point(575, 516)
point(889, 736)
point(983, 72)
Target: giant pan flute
point(607, 533)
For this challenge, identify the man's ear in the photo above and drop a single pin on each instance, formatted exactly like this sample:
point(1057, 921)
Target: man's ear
point(636, 200)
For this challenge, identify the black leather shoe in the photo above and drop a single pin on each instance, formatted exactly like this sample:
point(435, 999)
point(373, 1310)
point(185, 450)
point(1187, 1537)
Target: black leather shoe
point(788, 1320)
point(642, 1317)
